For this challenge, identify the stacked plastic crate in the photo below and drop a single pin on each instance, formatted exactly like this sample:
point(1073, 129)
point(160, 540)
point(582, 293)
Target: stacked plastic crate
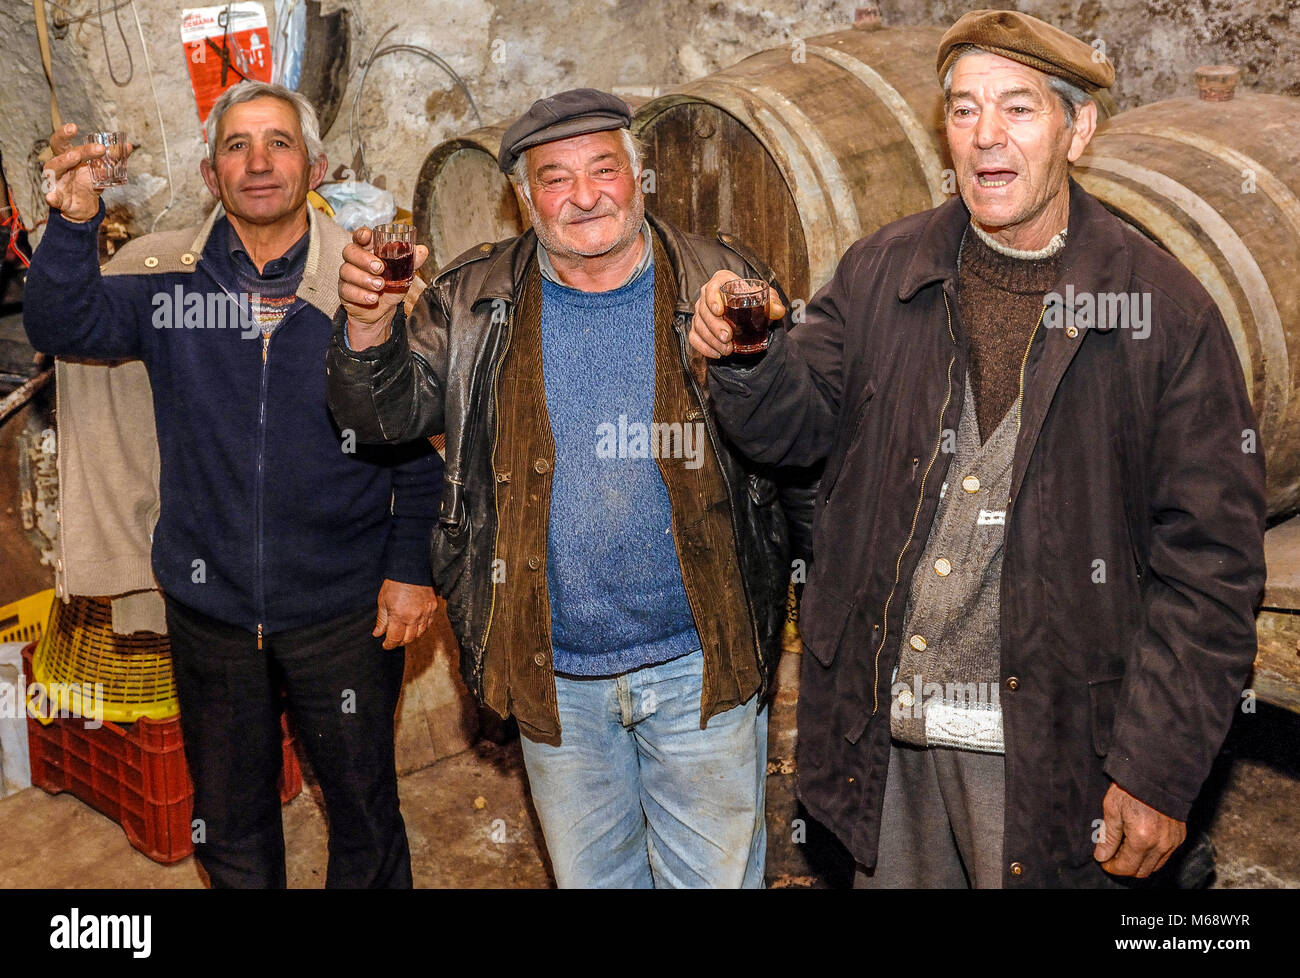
point(103, 724)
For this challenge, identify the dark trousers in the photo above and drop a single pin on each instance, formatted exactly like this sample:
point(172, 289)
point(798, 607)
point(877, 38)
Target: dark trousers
point(340, 687)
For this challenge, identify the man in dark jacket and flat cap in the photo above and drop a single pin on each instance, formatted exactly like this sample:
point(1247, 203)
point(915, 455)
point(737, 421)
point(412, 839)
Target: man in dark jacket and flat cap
point(1039, 538)
point(614, 570)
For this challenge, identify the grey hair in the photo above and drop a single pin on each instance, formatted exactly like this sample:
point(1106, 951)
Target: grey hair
point(249, 90)
point(1072, 97)
point(634, 148)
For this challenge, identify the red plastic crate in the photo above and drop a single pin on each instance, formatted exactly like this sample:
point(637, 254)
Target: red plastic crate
point(135, 774)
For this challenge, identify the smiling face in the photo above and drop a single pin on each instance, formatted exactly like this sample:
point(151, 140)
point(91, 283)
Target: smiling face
point(586, 199)
point(1011, 148)
point(260, 169)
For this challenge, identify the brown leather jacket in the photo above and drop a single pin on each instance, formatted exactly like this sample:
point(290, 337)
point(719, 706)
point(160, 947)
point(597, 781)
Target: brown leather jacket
point(467, 363)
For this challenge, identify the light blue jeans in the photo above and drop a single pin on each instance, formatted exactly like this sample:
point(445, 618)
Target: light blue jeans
point(638, 796)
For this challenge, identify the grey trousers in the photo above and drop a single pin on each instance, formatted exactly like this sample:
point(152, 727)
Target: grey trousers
point(942, 821)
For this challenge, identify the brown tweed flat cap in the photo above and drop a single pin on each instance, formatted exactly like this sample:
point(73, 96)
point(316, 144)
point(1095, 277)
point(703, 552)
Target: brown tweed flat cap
point(1030, 41)
point(573, 113)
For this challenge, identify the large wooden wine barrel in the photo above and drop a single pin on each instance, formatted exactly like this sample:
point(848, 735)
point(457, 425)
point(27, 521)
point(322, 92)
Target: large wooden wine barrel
point(463, 199)
point(1217, 184)
point(803, 149)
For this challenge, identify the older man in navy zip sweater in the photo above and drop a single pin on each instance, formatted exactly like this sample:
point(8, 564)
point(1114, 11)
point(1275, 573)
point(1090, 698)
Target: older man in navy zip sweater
point(276, 534)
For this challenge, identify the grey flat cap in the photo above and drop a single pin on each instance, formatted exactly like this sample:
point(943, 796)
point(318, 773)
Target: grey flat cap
point(572, 113)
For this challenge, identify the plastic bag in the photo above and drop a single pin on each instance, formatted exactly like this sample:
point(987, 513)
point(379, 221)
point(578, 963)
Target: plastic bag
point(289, 43)
point(358, 204)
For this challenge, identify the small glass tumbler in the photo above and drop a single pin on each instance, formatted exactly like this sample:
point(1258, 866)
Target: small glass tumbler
point(745, 300)
point(108, 170)
point(394, 245)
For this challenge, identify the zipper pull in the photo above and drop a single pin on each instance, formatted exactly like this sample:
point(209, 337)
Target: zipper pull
point(259, 636)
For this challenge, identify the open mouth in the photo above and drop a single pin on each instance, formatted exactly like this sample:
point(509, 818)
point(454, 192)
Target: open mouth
point(994, 178)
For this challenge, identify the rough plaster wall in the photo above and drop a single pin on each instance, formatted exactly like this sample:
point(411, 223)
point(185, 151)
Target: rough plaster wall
point(1157, 44)
point(513, 51)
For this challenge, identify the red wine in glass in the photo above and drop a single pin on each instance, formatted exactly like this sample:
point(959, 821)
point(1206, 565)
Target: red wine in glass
point(399, 265)
point(746, 309)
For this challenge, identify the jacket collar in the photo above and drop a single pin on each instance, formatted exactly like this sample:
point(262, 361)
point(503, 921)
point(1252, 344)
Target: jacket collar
point(326, 241)
point(1096, 256)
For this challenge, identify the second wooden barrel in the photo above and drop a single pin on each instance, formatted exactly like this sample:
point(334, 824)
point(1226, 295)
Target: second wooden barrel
point(1217, 184)
point(801, 150)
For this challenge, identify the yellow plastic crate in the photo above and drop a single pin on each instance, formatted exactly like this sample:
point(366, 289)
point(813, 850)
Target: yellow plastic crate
point(80, 649)
point(24, 620)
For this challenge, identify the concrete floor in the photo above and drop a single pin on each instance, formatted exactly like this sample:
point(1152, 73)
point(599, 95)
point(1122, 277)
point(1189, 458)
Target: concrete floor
point(1250, 811)
point(57, 841)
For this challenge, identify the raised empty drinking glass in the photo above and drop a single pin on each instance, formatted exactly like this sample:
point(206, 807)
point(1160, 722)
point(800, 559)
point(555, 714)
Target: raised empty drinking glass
point(108, 170)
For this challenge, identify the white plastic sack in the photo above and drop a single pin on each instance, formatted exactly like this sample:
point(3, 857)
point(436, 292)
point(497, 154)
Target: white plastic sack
point(290, 40)
point(359, 204)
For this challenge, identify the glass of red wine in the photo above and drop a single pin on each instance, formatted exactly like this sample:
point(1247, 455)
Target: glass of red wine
point(745, 300)
point(394, 245)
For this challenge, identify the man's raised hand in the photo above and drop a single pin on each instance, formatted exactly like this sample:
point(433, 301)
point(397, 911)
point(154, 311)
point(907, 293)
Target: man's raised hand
point(710, 332)
point(66, 180)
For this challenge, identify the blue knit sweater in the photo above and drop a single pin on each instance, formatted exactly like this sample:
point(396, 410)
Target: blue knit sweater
point(617, 598)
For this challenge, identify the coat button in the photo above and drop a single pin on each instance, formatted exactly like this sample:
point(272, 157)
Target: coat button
point(971, 483)
point(1072, 331)
point(1017, 869)
point(917, 642)
point(1013, 683)
point(539, 659)
point(151, 262)
point(485, 248)
point(541, 466)
point(187, 259)
point(943, 567)
point(534, 563)
point(906, 699)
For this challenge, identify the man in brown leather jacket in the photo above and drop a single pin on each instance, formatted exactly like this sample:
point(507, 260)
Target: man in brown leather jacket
point(614, 572)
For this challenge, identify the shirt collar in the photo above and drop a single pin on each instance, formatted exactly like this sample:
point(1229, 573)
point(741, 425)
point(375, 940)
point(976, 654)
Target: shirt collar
point(647, 259)
point(290, 264)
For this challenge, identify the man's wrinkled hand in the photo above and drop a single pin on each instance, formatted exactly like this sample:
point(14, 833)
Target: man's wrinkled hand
point(405, 611)
point(361, 290)
point(66, 180)
point(710, 332)
point(1136, 839)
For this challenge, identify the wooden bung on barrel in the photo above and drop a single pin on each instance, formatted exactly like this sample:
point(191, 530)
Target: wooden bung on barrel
point(1214, 181)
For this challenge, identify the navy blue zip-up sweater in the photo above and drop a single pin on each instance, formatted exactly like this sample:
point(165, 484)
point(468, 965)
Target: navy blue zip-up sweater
point(266, 519)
